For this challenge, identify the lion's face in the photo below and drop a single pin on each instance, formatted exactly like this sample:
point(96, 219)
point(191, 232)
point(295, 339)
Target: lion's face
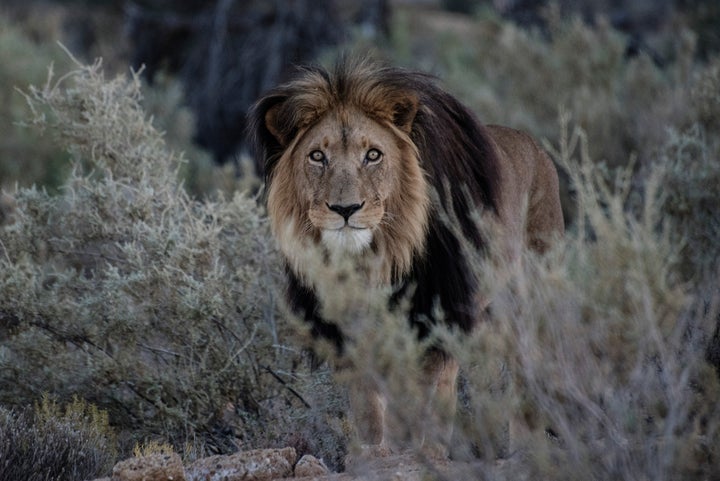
point(346, 172)
point(353, 185)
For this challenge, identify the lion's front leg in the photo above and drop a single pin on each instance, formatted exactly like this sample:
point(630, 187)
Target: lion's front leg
point(367, 406)
point(441, 372)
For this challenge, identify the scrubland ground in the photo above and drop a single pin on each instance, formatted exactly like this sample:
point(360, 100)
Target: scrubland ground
point(138, 304)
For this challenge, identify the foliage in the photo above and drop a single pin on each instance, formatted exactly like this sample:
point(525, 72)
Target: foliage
point(691, 174)
point(604, 346)
point(690, 161)
point(151, 448)
point(24, 156)
point(53, 444)
point(29, 158)
point(125, 291)
point(521, 77)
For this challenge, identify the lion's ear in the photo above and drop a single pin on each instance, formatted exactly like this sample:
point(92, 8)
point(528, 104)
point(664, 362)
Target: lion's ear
point(265, 131)
point(404, 113)
point(273, 125)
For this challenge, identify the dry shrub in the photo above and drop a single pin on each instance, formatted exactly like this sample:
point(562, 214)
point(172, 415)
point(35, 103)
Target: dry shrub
point(705, 94)
point(27, 48)
point(55, 444)
point(690, 176)
point(595, 357)
point(126, 291)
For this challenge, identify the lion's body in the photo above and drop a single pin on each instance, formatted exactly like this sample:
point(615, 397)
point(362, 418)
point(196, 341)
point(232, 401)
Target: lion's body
point(353, 163)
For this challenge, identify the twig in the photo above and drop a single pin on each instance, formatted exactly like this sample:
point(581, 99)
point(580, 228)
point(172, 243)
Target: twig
point(285, 385)
point(7, 256)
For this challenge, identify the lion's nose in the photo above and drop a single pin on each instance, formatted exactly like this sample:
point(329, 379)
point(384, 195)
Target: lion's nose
point(346, 210)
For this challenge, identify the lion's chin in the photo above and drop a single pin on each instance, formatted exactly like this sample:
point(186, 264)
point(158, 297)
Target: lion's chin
point(346, 240)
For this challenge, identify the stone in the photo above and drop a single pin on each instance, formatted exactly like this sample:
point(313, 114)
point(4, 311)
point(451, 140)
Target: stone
point(310, 466)
point(154, 467)
point(255, 465)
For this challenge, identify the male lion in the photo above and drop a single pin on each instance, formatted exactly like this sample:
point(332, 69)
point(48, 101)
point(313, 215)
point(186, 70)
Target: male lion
point(353, 159)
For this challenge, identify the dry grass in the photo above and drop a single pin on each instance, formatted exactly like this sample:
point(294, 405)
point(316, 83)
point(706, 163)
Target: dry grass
point(54, 444)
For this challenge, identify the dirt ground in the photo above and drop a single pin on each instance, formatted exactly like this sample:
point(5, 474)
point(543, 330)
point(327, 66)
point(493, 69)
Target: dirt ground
point(410, 467)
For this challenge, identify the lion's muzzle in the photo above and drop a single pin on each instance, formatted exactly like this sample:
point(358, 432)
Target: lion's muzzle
point(345, 210)
point(353, 235)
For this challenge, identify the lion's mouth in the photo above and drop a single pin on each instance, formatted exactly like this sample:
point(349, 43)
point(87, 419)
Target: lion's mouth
point(346, 239)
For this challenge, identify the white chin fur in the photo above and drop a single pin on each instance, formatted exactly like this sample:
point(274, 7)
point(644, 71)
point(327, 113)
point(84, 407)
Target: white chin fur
point(346, 240)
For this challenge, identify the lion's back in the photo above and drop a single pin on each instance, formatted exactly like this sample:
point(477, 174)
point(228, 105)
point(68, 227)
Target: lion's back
point(528, 183)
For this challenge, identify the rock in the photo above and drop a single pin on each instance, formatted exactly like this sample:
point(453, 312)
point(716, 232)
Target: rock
point(310, 466)
point(155, 467)
point(256, 465)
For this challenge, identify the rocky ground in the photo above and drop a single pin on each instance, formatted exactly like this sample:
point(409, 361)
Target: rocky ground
point(282, 464)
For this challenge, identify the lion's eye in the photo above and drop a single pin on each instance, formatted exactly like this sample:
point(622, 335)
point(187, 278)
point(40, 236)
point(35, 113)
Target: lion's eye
point(317, 157)
point(373, 156)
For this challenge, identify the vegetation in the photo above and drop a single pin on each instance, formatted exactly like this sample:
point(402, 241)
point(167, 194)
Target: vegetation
point(604, 346)
point(125, 291)
point(54, 444)
point(119, 287)
point(24, 156)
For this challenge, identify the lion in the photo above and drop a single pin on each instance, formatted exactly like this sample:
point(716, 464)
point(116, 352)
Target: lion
point(363, 162)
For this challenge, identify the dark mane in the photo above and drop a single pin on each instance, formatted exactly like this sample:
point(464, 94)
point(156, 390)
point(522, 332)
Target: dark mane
point(454, 148)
